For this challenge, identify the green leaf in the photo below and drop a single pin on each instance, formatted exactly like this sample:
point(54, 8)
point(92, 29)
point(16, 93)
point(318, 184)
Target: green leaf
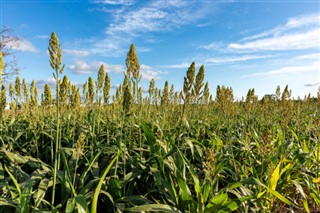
point(219, 199)
point(71, 203)
point(26, 197)
point(154, 208)
point(280, 197)
point(8, 202)
point(81, 204)
point(97, 191)
point(275, 176)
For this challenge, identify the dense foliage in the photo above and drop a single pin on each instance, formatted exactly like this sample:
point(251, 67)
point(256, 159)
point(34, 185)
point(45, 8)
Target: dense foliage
point(166, 151)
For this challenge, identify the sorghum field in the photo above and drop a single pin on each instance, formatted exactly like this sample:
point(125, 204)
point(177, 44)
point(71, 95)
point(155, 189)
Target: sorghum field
point(163, 151)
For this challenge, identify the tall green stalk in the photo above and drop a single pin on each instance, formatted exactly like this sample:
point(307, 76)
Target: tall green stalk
point(55, 62)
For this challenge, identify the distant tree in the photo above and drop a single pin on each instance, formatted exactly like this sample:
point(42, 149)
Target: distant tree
point(8, 43)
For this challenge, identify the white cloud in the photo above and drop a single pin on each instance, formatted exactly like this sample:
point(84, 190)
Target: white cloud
point(81, 67)
point(24, 45)
point(50, 81)
point(178, 66)
point(298, 33)
point(23, 25)
point(143, 49)
point(82, 53)
point(213, 46)
point(149, 73)
point(301, 32)
point(312, 84)
point(128, 23)
point(236, 58)
point(313, 67)
point(305, 21)
point(301, 40)
point(115, 2)
point(309, 56)
point(43, 36)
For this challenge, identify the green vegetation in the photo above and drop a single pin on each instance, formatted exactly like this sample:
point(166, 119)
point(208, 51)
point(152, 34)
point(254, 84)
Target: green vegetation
point(168, 151)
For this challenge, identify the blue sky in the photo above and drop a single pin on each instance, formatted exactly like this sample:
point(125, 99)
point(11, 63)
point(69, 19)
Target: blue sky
point(243, 44)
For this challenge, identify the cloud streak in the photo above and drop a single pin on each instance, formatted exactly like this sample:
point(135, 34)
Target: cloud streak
point(295, 41)
point(145, 18)
point(312, 84)
point(24, 45)
point(232, 59)
point(81, 67)
point(313, 67)
point(149, 73)
point(81, 53)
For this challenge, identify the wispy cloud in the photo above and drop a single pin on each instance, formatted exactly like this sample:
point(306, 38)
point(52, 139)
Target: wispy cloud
point(74, 52)
point(231, 59)
point(312, 84)
point(295, 41)
point(145, 18)
point(302, 32)
point(309, 56)
point(305, 21)
point(81, 67)
point(143, 49)
point(213, 46)
point(23, 25)
point(115, 2)
point(24, 45)
point(50, 81)
point(42, 36)
point(313, 67)
point(218, 60)
point(178, 66)
point(158, 16)
point(149, 73)
point(297, 33)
